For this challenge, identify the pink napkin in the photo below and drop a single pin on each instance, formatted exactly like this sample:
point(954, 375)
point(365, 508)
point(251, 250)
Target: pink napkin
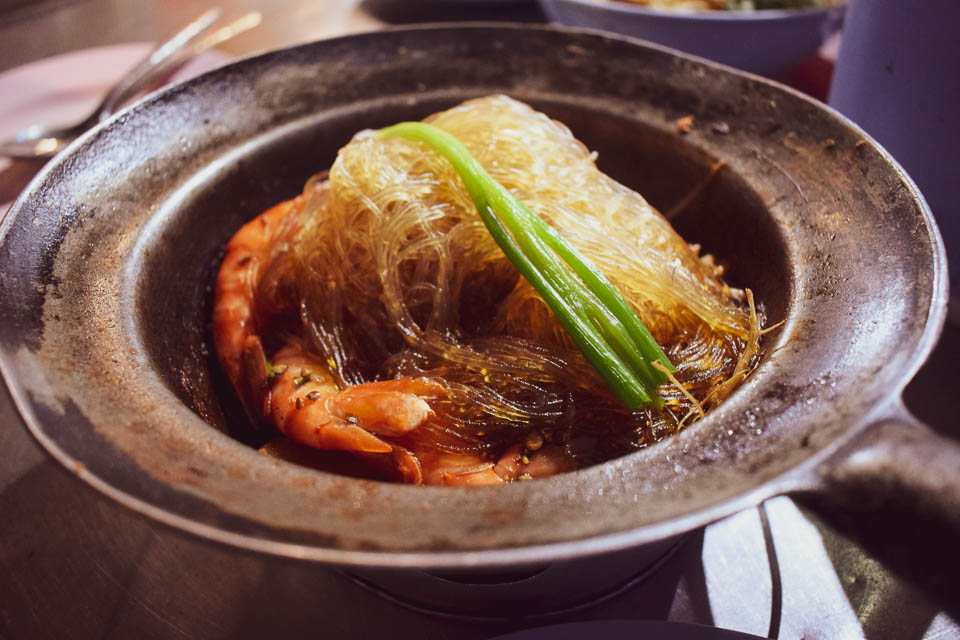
point(62, 90)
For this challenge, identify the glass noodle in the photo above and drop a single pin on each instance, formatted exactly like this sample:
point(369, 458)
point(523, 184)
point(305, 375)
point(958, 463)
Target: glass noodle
point(395, 274)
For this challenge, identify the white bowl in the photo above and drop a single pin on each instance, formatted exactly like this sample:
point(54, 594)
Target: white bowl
point(763, 41)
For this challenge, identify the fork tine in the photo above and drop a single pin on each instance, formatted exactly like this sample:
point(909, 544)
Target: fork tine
point(187, 43)
point(241, 25)
point(183, 37)
point(158, 61)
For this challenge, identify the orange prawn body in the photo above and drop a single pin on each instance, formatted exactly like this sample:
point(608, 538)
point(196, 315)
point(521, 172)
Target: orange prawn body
point(295, 393)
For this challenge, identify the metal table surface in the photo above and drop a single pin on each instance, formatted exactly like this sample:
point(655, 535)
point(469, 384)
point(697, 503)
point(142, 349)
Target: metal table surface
point(73, 564)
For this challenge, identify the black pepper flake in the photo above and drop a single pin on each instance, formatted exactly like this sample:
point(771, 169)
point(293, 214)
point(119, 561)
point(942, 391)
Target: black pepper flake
point(244, 260)
point(299, 403)
point(313, 395)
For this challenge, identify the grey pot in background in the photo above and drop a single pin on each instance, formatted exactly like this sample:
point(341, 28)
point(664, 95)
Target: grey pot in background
point(898, 77)
point(765, 42)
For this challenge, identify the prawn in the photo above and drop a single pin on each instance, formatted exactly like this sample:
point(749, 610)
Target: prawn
point(514, 464)
point(295, 392)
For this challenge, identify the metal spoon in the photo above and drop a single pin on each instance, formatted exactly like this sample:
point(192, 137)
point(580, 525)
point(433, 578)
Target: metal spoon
point(39, 141)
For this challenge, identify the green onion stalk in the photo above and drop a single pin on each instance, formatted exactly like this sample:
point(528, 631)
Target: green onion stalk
point(598, 319)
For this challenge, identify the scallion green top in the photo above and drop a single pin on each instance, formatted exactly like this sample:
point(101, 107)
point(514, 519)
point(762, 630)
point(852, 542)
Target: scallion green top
point(591, 310)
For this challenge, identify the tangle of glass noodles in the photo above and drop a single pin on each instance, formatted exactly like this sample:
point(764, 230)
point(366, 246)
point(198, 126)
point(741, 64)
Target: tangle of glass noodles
point(394, 274)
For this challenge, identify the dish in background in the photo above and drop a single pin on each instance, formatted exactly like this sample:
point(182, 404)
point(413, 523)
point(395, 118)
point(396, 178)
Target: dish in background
point(731, 5)
point(762, 42)
point(413, 11)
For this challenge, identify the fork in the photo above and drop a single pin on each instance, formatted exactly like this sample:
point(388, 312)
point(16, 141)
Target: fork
point(39, 141)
